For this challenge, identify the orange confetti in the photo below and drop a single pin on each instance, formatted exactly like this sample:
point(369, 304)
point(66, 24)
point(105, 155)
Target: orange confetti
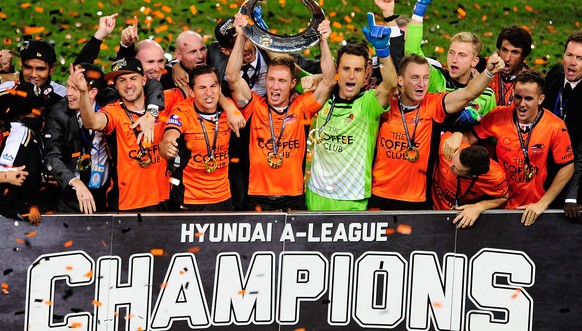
point(25, 5)
point(164, 285)
point(516, 294)
point(436, 305)
point(68, 243)
point(96, 303)
point(5, 291)
point(332, 14)
point(299, 329)
point(242, 292)
point(529, 8)
point(193, 10)
point(4, 285)
point(20, 241)
point(487, 34)
point(258, 208)
point(161, 28)
point(404, 229)
point(37, 112)
point(484, 18)
point(76, 325)
point(167, 9)
point(31, 234)
point(390, 231)
point(439, 49)
point(103, 243)
point(198, 234)
point(540, 61)
point(233, 6)
point(89, 274)
point(157, 251)
point(194, 249)
point(100, 4)
point(337, 24)
point(69, 268)
point(462, 12)
point(128, 316)
point(38, 9)
point(348, 19)
point(515, 9)
point(477, 6)
point(33, 29)
point(48, 302)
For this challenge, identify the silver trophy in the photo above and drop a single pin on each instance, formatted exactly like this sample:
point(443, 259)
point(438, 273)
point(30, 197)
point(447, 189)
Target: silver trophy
point(283, 44)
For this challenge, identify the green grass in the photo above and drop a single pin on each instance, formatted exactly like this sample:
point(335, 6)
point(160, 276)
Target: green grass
point(68, 23)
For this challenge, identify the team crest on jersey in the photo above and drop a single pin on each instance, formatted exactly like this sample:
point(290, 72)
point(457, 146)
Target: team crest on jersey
point(326, 110)
point(506, 143)
point(174, 120)
point(349, 119)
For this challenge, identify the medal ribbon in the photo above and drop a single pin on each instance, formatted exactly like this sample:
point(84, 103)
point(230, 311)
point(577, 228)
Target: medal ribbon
point(409, 139)
point(274, 139)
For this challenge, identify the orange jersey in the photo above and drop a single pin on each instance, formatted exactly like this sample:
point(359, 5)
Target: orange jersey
point(548, 135)
point(393, 177)
point(288, 178)
point(491, 185)
point(172, 97)
point(138, 187)
point(200, 186)
point(503, 90)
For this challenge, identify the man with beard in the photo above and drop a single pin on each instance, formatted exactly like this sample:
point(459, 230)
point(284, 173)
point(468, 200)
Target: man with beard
point(139, 164)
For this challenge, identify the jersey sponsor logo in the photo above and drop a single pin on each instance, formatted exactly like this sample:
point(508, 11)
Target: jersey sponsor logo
point(538, 148)
point(174, 120)
point(283, 145)
point(8, 157)
point(569, 149)
point(516, 173)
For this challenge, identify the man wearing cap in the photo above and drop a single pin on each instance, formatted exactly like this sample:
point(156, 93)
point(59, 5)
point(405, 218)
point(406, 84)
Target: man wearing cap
point(77, 157)
point(38, 64)
point(140, 169)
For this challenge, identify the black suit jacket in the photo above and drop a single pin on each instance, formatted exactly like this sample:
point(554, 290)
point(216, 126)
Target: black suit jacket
point(62, 139)
point(573, 109)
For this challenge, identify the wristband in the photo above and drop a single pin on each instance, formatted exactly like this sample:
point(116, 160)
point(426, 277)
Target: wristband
point(383, 52)
point(391, 18)
point(488, 73)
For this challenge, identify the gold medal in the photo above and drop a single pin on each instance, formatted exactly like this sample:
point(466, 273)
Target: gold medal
point(529, 172)
point(315, 136)
point(210, 164)
point(411, 154)
point(144, 159)
point(274, 160)
point(84, 162)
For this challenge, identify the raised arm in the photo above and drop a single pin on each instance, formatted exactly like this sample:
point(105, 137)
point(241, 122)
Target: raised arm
point(379, 37)
point(91, 119)
point(90, 51)
point(325, 87)
point(457, 100)
point(241, 92)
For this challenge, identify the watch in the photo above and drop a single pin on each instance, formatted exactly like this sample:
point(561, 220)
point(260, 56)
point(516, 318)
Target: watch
point(152, 109)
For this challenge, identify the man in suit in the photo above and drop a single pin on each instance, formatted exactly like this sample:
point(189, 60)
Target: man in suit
point(77, 157)
point(564, 98)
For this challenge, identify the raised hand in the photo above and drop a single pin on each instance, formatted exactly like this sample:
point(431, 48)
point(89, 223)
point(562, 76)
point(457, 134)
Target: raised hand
point(420, 7)
point(378, 36)
point(106, 26)
point(129, 35)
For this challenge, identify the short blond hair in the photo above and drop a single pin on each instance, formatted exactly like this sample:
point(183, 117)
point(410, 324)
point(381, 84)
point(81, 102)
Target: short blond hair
point(469, 37)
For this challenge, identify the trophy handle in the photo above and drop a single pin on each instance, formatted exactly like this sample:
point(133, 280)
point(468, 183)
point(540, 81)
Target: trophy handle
point(283, 44)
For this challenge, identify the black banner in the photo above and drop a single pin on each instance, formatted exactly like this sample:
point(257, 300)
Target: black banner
point(311, 271)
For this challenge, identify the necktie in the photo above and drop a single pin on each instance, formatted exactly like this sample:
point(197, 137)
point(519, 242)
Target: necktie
point(245, 74)
point(566, 91)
